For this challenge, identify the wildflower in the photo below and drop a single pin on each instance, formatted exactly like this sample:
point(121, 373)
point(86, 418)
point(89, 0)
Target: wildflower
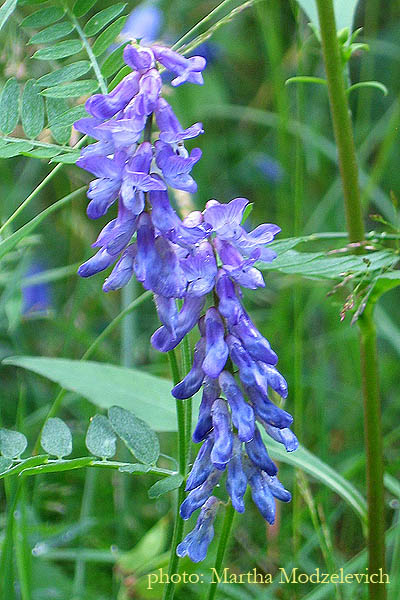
point(196, 543)
point(207, 252)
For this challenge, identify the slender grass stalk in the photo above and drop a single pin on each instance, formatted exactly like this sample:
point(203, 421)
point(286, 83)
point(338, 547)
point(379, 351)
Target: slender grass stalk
point(223, 543)
point(177, 535)
point(369, 363)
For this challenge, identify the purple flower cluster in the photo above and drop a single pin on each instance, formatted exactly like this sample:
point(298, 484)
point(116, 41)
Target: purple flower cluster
point(122, 161)
point(232, 361)
point(207, 255)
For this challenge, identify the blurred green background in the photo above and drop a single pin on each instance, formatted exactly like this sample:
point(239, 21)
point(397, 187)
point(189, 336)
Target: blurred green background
point(274, 145)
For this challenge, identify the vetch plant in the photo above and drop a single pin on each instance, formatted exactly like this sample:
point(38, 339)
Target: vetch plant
point(205, 253)
point(198, 270)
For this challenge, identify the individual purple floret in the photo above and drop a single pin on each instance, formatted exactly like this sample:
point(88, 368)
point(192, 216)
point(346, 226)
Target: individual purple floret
point(196, 543)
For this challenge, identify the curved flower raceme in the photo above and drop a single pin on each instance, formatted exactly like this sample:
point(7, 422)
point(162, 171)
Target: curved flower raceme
point(208, 254)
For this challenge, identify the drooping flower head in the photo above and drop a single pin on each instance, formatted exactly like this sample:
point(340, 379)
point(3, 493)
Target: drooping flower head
point(204, 260)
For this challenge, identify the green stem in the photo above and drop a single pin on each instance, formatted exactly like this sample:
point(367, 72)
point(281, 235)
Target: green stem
point(223, 542)
point(90, 54)
point(169, 588)
point(369, 363)
point(374, 450)
point(341, 121)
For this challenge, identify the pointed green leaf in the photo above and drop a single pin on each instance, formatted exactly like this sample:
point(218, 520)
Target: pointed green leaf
point(106, 385)
point(9, 106)
point(108, 36)
point(81, 7)
point(43, 17)
point(12, 443)
point(135, 433)
point(67, 117)
point(113, 62)
point(43, 152)
point(68, 73)
point(102, 18)
point(59, 465)
point(14, 149)
point(371, 84)
point(100, 438)
point(32, 461)
point(119, 77)
point(56, 107)
point(67, 159)
point(60, 50)
point(72, 90)
point(163, 486)
point(32, 109)
point(52, 33)
point(6, 11)
point(56, 438)
point(319, 265)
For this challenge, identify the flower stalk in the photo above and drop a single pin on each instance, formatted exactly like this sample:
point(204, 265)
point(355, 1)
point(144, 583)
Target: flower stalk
point(343, 130)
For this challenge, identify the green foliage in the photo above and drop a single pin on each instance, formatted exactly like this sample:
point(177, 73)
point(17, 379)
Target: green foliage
point(12, 443)
point(32, 109)
point(100, 438)
point(102, 18)
point(43, 17)
point(163, 486)
point(56, 438)
point(9, 106)
point(71, 90)
point(82, 7)
point(108, 36)
point(113, 62)
point(106, 385)
point(322, 265)
point(136, 434)
point(52, 33)
point(65, 74)
point(6, 11)
point(60, 50)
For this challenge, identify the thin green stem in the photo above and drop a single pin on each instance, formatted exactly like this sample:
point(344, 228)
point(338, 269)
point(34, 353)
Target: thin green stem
point(341, 121)
point(223, 542)
point(90, 54)
point(21, 544)
point(374, 451)
point(39, 144)
point(177, 535)
point(369, 359)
